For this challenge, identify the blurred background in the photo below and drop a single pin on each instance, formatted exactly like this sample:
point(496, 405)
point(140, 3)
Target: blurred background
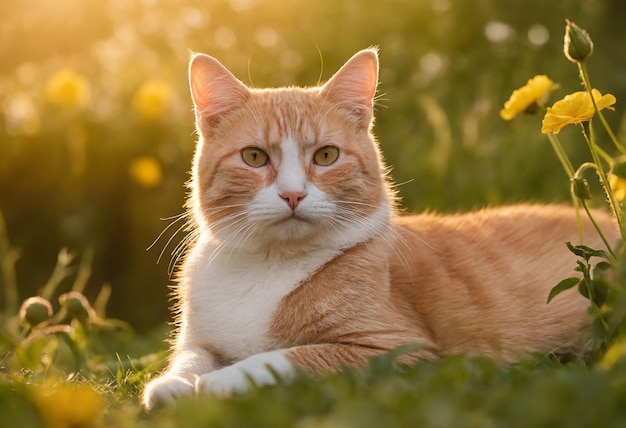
point(96, 124)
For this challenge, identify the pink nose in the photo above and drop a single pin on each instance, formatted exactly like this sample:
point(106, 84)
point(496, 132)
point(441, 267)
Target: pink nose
point(292, 198)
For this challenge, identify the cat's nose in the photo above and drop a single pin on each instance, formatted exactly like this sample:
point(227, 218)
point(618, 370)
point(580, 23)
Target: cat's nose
point(292, 198)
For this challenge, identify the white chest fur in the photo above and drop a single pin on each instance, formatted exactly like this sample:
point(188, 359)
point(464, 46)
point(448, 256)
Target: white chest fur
point(230, 299)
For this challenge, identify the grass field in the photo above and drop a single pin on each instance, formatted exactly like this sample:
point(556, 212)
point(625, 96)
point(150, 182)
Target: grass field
point(96, 138)
point(455, 392)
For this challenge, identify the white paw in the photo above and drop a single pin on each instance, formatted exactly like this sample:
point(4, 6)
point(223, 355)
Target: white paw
point(164, 390)
point(237, 378)
point(223, 382)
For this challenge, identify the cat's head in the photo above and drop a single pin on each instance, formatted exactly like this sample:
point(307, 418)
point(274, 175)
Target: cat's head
point(287, 164)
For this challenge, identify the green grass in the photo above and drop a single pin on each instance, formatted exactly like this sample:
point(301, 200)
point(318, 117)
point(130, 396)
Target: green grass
point(456, 392)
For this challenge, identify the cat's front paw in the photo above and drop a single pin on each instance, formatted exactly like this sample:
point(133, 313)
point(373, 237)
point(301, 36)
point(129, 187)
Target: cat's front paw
point(224, 382)
point(260, 369)
point(164, 390)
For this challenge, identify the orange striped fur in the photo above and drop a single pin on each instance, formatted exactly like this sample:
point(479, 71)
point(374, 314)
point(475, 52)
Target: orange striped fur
point(302, 261)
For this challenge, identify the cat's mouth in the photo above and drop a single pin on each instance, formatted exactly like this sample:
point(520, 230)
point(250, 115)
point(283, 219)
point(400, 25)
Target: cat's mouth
point(294, 218)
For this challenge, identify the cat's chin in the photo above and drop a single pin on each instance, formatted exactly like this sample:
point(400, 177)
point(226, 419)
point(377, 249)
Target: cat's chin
point(292, 228)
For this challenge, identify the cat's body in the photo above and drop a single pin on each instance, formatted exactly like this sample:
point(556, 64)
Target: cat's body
point(301, 261)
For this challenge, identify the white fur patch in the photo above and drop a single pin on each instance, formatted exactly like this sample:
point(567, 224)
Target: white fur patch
point(230, 301)
point(291, 176)
point(230, 298)
point(260, 369)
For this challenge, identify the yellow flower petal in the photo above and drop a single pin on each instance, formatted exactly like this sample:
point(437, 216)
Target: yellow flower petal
point(574, 109)
point(618, 187)
point(535, 91)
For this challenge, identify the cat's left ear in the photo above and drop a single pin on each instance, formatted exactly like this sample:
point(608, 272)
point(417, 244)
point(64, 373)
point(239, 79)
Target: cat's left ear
point(215, 91)
point(354, 85)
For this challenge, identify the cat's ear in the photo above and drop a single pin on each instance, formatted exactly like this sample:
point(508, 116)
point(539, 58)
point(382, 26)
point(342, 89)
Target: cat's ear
point(214, 89)
point(354, 85)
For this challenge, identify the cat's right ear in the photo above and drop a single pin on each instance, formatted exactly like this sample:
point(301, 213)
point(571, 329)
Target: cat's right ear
point(215, 91)
point(354, 85)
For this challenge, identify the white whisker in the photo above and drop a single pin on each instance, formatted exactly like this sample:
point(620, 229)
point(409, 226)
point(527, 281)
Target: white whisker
point(169, 241)
point(181, 248)
point(240, 223)
point(396, 185)
point(176, 219)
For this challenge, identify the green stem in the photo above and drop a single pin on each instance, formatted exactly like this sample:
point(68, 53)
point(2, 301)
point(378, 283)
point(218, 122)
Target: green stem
point(61, 271)
point(579, 220)
point(603, 178)
point(582, 67)
point(569, 170)
point(598, 229)
point(560, 153)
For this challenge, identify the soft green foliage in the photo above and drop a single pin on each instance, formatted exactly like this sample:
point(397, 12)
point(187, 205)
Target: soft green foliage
point(455, 392)
point(96, 127)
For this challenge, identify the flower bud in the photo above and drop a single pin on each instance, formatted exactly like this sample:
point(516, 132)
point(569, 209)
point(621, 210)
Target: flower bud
point(577, 44)
point(77, 306)
point(35, 310)
point(581, 188)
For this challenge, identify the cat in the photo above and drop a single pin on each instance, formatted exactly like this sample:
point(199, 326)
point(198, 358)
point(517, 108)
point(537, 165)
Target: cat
point(301, 261)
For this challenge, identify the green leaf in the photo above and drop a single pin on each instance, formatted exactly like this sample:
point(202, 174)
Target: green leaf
point(583, 289)
point(586, 252)
point(383, 364)
point(566, 284)
point(600, 268)
point(599, 283)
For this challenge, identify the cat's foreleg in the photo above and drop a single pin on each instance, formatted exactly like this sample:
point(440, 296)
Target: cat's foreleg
point(263, 369)
point(179, 379)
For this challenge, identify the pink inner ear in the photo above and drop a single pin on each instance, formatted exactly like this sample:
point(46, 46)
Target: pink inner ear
point(354, 85)
point(214, 89)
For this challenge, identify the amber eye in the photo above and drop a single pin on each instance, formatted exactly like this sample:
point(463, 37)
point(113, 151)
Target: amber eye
point(326, 155)
point(254, 157)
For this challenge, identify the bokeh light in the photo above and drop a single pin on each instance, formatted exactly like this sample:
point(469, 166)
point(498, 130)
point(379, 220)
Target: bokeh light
point(97, 128)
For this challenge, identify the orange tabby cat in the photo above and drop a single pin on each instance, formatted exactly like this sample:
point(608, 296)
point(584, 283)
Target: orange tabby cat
point(301, 261)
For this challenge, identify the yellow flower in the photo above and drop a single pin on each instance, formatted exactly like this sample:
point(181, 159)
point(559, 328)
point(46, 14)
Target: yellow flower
point(618, 187)
point(616, 352)
point(536, 90)
point(574, 109)
point(146, 171)
point(69, 405)
point(67, 88)
point(153, 98)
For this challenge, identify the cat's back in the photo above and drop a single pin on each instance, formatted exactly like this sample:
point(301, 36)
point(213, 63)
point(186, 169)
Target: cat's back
point(481, 280)
point(518, 228)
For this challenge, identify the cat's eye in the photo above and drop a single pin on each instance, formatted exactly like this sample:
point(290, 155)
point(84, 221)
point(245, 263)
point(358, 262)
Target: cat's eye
point(326, 155)
point(254, 157)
